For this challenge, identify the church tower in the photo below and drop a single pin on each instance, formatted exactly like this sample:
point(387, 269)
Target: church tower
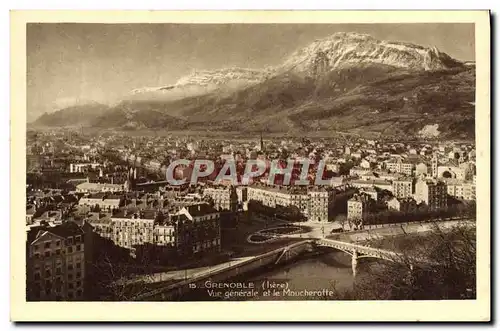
point(131, 180)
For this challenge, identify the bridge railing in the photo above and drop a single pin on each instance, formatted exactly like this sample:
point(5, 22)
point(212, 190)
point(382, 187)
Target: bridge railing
point(354, 246)
point(375, 252)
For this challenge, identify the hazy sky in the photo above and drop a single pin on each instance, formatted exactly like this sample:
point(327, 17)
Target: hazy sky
point(103, 62)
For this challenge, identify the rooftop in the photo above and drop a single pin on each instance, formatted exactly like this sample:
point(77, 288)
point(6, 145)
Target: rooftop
point(66, 229)
point(97, 186)
point(373, 182)
point(200, 209)
point(133, 213)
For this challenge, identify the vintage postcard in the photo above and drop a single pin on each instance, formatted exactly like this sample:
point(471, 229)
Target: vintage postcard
point(250, 166)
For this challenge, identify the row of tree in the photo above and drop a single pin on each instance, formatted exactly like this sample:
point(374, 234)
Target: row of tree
point(423, 213)
point(288, 213)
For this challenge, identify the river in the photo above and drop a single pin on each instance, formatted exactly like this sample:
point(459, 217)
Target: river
point(317, 276)
point(329, 273)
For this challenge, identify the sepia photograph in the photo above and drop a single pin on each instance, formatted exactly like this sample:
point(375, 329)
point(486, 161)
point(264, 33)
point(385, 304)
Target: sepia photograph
point(266, 158)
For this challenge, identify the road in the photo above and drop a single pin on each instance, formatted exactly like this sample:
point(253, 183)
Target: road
point(178, 275)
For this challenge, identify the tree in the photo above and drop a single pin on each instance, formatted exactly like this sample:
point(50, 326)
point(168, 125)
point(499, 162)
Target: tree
point(357, 223)
point(112, 281)
point(439, 266)
point(342, 219)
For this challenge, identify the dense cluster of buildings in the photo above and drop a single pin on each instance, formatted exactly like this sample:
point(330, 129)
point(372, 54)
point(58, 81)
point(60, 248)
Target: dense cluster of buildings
point(414, 181)
point(151, 226)
point(84, 191)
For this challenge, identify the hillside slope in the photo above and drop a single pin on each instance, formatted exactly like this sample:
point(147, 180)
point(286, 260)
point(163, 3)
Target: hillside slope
point(78, 115)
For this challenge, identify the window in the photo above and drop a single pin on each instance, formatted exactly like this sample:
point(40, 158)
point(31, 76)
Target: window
point(46, 245)
point(58, 243)
point(48, 273)
point(78, 265)
point(69, 241)
point(70, 249)
point(58, 271)
point(47, 254)
point(78, 275)
point(78, 239)
point(79, 293)
point(35, 247)
point(70, 266)
point(78, 247)
point(70, 277)
point(79, 283)
point(48, 285)
point(58, 251)
point(70, 286)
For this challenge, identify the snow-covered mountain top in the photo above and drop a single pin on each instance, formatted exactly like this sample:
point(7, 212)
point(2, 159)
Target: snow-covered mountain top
point(214, 79)
point(223, 76)
point(339, 50)
point(346, 49)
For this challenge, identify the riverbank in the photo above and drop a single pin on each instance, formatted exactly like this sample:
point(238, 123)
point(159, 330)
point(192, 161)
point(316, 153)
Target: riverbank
point(394, 230)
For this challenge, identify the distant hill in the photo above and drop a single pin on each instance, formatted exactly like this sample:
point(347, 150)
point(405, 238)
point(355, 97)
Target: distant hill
point(78, 115)
point(346, 82)
point(121, 116)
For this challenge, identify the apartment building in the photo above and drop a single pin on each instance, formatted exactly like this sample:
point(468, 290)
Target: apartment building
point(101, 223)
point(359, 205)
point(198, 230)
point(381, 184)
point(431, 192)
point(312, 203)
point(99, 187)
point(460, 189)
point(224, 198)
point(272, 196)
point(372, 192)
point(381, 175)
point(403, 187)
point(319, 204)
point(421, 169)
point(103, 201)
point(82, 167)
point(400, 166)
point(56, 263)
point(407, 204)
point(192, 230)
point(133, 228)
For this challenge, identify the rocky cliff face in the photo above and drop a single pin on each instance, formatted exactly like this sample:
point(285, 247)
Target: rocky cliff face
point(343, 50)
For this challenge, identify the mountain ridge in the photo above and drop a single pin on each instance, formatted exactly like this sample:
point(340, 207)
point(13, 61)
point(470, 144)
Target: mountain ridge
point(346, 81)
